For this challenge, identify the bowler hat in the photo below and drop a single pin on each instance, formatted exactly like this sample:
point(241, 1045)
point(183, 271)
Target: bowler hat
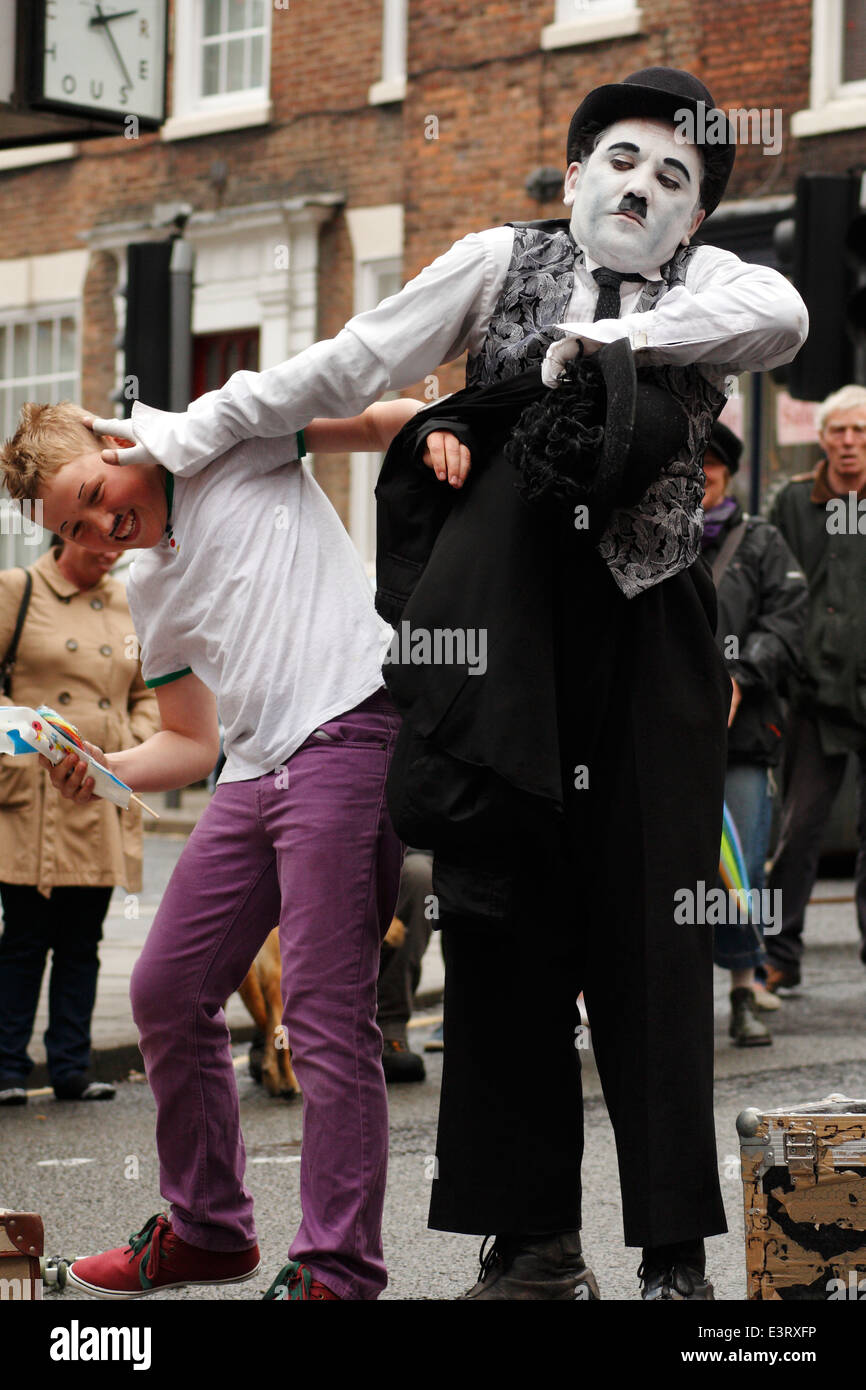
point(726, 446)
point(665, 92)
point(600, 438)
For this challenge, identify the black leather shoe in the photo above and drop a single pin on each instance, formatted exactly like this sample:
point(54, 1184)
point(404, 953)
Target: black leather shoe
point(533, 1266)
point(681, 1282)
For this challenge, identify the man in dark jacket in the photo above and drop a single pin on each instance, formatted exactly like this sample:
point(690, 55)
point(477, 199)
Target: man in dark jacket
point(820, 515)
point(762, 605)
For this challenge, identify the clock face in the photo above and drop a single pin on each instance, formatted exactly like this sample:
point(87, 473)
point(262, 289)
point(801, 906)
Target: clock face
point(105, 58)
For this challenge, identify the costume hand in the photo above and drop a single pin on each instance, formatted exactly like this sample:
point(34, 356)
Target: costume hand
point(129, 450)
point(736, 697)
point(559, 353)
point(447, 457)
point(72, 777)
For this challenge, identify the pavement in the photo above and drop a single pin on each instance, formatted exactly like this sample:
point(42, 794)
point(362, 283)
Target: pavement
point(92, 1171)
point(834, 980)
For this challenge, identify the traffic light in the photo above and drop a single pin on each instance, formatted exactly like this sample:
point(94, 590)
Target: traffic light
point(823, 250)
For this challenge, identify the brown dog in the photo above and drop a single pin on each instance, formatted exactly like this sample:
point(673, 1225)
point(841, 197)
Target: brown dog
point(262, 993)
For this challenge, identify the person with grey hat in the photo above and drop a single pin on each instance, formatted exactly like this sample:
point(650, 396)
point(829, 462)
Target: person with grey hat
point(534, 295)
point(763, 603)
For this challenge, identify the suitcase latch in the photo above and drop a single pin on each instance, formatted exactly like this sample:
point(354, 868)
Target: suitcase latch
point(800, 1148)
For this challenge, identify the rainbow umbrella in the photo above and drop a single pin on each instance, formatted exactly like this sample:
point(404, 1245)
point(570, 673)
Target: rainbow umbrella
point(732, 863)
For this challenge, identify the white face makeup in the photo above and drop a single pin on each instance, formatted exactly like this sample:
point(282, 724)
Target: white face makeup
point(634, 200)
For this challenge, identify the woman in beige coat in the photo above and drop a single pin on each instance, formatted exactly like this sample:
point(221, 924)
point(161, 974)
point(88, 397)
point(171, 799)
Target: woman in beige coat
point(58, 861)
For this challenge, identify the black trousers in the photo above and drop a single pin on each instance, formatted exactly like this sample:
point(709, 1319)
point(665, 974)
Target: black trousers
point(646, 717)
point(811, 780)
point(401, 976)
point(69, 924)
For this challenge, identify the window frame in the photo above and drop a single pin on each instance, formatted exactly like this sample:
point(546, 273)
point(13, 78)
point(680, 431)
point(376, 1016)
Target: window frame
point(19, 544)
point(578, 22)
point(193, 113)
point(391, 86)
point(833, 104)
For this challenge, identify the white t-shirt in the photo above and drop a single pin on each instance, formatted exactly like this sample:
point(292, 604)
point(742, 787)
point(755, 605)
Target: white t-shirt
point(257, 589)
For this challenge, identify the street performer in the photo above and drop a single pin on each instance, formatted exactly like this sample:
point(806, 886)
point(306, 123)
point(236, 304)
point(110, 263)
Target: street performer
point(578, 781)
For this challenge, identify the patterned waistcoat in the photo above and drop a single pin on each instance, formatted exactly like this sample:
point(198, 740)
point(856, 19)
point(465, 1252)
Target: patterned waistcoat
point(660, 535)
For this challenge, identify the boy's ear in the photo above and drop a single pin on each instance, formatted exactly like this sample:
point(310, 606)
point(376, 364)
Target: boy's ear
point(117, 442)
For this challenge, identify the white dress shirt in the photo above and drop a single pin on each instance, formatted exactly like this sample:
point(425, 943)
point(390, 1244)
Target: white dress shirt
point(729, 317)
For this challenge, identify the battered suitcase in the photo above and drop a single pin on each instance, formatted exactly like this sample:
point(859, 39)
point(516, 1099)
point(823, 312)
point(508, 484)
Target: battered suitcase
point(21, 1244)
point(804, 1189)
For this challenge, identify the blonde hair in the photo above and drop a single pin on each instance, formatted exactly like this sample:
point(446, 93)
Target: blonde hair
point(47, 437)
point(848, 398)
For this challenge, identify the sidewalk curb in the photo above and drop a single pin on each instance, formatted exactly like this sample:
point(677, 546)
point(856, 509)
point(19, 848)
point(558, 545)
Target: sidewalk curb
point(115, 1061)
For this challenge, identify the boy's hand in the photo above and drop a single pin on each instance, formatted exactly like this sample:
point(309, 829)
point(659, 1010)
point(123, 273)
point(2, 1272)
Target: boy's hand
point(72, 777)
point(129, 450)
point(447, 457)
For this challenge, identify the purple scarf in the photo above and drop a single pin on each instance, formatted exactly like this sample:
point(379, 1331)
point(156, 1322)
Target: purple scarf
point(716, 519)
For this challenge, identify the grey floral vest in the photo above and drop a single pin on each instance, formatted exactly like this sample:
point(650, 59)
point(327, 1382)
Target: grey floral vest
point(649, 542)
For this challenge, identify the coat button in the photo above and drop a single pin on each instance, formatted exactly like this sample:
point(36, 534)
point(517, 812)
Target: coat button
point(71, 644)
point(105, 650)
point(96, 603)
point(105, 703)
point(64, 697)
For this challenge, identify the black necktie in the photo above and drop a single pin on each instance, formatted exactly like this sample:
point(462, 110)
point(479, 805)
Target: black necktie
point(608, 303)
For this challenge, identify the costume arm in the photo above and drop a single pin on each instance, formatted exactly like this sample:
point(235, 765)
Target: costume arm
point(730, 315)
point(433, 319)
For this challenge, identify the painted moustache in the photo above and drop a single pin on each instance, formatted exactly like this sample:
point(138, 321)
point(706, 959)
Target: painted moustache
point(632, 203)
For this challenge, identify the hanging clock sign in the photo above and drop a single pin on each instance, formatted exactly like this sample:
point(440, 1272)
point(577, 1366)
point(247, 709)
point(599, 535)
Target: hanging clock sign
point(101, 59)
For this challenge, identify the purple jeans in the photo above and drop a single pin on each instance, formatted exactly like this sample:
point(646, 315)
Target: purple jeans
point(311, 846)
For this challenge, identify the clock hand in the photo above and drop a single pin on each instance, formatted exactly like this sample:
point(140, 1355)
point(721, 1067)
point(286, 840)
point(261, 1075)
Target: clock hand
point(109, 18)
point(104, 20)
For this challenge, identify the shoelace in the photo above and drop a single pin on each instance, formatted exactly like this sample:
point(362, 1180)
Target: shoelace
point(294, 1281)
point(150, 1239)
point(487, 1259)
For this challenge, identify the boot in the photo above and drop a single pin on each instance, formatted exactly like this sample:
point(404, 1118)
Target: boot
point(745, 1027)
point(535, 1266)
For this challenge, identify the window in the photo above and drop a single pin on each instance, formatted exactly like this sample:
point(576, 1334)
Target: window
point(395, 26)
point(837, 99)
point(854, 42)
point(221, 67)
point(588, 21)
point(38, 362)
point(232, 57)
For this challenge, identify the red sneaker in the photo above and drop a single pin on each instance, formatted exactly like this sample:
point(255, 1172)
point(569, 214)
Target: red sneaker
point(156, 1258)
point(296, 1281)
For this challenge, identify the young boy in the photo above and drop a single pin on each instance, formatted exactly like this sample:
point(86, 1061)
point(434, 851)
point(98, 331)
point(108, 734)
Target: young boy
point(250, 599)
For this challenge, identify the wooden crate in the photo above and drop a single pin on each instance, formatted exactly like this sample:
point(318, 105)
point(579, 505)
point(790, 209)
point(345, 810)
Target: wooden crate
point(21, 1244)
point(804, 1190)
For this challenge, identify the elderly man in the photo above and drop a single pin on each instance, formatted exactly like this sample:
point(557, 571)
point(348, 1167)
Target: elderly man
point(818, 514)
point(622, 267)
